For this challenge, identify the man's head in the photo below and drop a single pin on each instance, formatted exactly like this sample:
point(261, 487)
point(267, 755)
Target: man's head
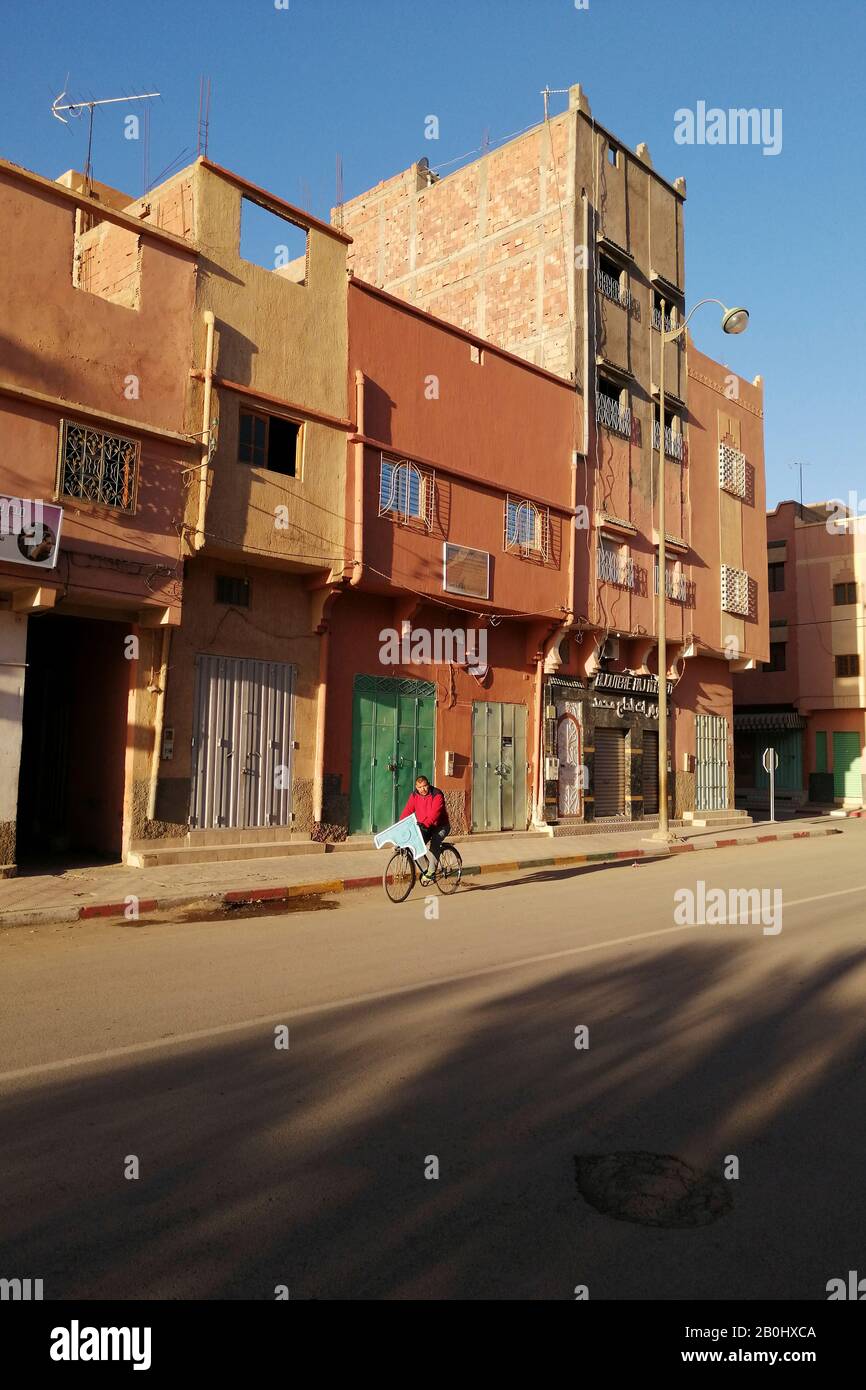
point(422, 786)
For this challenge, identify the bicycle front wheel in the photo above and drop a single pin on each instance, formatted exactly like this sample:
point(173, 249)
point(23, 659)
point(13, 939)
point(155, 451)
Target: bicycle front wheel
point(450, 870)
point(398, 879)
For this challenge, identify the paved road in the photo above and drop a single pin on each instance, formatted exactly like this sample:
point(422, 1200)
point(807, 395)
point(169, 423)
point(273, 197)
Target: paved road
point(412, 1038)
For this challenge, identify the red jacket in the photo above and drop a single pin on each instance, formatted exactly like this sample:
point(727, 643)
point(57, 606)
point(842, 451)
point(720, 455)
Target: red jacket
point(429, 810)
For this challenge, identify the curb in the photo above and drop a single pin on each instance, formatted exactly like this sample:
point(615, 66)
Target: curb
point(249, 897)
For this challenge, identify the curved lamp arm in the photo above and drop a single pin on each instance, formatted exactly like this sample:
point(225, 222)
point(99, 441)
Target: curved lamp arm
point(728, 316)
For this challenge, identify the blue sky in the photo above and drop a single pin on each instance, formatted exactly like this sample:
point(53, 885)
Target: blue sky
point(294, 87)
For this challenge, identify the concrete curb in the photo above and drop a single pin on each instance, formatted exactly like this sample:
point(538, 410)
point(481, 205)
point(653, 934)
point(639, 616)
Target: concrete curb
point(250, 897)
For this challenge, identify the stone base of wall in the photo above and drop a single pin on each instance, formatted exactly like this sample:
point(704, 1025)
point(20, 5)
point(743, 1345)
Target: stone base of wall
point(455, 803)
point(8, 850)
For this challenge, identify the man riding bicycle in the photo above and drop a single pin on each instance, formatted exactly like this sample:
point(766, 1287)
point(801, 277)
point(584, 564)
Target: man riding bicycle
point(428, 803)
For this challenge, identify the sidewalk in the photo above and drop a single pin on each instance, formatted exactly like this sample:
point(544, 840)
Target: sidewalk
point(77, 894)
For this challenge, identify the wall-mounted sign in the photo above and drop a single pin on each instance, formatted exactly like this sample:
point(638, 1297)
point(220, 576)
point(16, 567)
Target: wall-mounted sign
point(627, 704)
point(29, 532)
point(630, 683)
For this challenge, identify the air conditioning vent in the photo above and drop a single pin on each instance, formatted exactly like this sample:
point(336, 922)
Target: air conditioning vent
point(467, 571)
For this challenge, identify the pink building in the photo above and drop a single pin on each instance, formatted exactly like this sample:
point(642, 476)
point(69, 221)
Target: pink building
point(808, 702)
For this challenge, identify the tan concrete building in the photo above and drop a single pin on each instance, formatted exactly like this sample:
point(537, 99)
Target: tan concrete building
point(241, 751)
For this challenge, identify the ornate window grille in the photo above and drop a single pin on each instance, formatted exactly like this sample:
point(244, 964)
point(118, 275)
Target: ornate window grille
point(614, 567)
point(612, 415)
point(732, 469)
point(677, 586)
point(673, 441)
point(735, 591)
point(527, 528)
point(95, 466)
point(611, 287)
point(406, 492)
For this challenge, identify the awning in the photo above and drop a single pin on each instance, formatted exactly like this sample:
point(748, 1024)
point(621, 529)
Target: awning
point(769, 719)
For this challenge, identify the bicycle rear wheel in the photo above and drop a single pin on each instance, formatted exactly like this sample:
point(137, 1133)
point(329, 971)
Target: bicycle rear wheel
point(450, 870)
point(398, 879)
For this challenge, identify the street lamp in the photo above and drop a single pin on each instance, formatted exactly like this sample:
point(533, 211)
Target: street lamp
point(733, 321)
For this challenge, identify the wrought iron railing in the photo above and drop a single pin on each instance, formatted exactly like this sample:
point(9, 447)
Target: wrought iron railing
point(677, 586)
point(612, 288)
point(615, 569)
point(612, 415)
point(673, 441)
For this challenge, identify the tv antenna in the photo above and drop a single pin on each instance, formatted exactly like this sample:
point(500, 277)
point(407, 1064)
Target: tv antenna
point(78, 108)
point(800, 467)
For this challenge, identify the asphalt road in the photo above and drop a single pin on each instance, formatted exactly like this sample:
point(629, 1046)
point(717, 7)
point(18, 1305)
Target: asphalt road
point(413, 1038)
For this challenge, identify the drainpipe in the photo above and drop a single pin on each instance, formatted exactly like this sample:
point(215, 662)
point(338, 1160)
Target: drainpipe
point(360, 430)
point(321, 707)
point(199, 538)
point(158, 724)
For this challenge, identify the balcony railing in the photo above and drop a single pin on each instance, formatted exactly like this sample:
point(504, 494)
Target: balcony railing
point(611, 288)
point(673, 441)
point(614, 569)
point(677, 586)
point(612, 415)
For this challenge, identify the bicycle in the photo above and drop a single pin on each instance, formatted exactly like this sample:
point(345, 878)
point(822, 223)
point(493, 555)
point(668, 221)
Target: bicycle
point(401, 871)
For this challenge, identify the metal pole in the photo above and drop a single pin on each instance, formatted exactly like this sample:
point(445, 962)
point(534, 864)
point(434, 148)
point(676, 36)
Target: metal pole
point(663, 831)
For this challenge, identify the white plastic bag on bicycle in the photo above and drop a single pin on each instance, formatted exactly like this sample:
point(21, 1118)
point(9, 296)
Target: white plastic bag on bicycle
point(406, 834)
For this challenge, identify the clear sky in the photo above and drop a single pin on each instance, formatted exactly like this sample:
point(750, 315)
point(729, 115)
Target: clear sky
point(293, 87)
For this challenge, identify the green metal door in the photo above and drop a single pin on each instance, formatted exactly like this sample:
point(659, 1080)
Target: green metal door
point(847, 766)
point(498, 766)
point(789, 773)
point(392, 744)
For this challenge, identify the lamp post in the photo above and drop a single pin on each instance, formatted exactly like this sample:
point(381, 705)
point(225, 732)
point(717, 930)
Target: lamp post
point(733, 321)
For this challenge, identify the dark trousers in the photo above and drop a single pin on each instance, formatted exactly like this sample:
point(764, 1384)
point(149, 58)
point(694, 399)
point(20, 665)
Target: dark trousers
point(433, 837)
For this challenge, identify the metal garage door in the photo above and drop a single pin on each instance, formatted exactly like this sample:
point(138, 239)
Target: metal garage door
point(650, 786)
point(609, 772)
point(392, 743)
point(847, 764)
point(242, 743)
point(711, 762)
point(498, 766)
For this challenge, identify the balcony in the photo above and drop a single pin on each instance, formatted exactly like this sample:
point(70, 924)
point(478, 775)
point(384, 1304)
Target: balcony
point(611, 288)
point(673, 441)
point(677, 587)
point(612, 415)
point(613, 568)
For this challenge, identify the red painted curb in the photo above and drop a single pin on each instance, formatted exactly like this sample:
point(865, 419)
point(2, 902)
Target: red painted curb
point(629, 853)
point(362, 882)
point(723, 844)
point(682, 849)
point(255, 895)
point(766, 839)
point(802, 834)
point(116, 909)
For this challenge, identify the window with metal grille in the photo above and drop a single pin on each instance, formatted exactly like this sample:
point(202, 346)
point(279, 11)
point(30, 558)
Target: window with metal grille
point(269, 441)
point(466, 571)
point(406, 491)
point(610, 408)
point(527, 528)
point(732, 469)
point(735, 591)
point(848, 665)
point(97, 467)
point(614, 564)
point(233, 591)
point(612, 281)
point(844, 593)
point(673, 435)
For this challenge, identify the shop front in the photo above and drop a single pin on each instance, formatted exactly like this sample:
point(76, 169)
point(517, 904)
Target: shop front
point(602, 747)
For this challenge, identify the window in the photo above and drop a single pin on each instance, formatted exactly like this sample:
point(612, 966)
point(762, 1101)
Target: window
point(97, 467)
point(776, 576)
point(232, 591)
point(612, 281)
point(777, 657)
point(611, 410)
point(269, 441)
point(736, 591)
point(848, 665)
point(406, 491)
point(614, 563)
point(673, 434)
point(527, 527)
point(844, 593)
point(612, 155)
point(677, 586)
point(273, 242)
point(670, 313)
point(466, 571)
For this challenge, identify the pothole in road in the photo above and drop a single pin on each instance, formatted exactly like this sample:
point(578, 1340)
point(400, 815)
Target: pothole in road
point(651, 1189)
